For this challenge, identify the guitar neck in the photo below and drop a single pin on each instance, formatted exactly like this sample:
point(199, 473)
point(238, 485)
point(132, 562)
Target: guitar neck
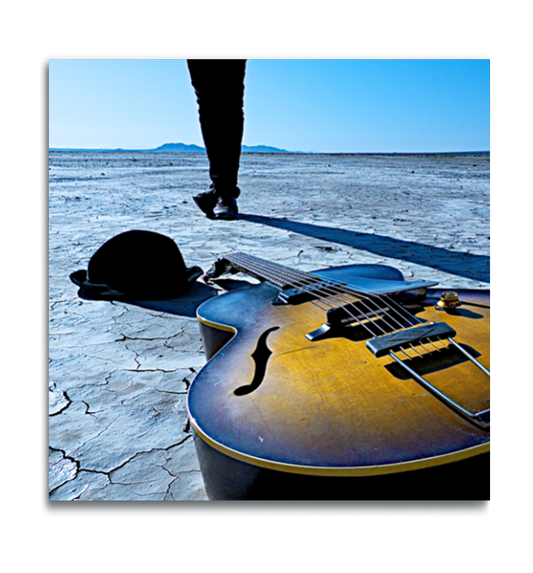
point(265, 270)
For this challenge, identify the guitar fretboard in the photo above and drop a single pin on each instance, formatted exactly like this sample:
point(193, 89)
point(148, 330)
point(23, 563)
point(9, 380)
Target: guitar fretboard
point(278, 274)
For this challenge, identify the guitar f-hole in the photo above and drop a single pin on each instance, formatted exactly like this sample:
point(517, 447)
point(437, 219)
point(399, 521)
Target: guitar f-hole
point(261, 356)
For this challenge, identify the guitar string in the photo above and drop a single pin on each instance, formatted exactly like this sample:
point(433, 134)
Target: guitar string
point(280, 280)
point(288, 277)
point(393, 305)
point(340, 288)
point(284, 281)
point(312, 279)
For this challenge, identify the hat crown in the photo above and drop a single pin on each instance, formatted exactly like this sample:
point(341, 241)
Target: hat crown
point(140, 264)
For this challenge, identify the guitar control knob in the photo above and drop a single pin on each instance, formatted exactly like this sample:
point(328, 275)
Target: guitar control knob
point(448, 301)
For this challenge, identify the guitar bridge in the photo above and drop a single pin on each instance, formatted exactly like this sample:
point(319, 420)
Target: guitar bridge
point(382, 345)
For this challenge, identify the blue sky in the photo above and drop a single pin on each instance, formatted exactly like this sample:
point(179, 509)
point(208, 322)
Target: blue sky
point(300, 105)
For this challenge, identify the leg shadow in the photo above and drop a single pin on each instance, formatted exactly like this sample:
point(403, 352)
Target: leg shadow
point(467, 265)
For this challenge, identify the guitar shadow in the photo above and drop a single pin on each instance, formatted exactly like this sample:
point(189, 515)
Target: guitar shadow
point(185, 305)
point(466, 265)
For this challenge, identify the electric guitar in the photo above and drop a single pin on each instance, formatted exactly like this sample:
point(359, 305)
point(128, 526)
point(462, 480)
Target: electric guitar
point(338, 379)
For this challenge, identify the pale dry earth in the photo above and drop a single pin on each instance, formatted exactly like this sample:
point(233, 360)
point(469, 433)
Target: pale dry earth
point(119, 373)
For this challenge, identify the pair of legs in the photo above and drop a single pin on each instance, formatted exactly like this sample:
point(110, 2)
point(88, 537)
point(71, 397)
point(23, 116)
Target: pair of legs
point(219, 87)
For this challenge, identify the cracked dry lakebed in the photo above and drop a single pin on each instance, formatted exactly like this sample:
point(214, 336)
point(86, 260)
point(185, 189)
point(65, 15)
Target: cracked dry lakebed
point(119, 373)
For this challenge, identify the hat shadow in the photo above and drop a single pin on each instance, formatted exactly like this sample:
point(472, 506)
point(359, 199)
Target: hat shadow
point(185, 305)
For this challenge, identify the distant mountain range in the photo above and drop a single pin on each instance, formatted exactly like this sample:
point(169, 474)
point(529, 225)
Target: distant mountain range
point(183, 148)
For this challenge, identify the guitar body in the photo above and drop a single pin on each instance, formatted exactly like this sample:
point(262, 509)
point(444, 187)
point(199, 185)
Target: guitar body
point(278, 416)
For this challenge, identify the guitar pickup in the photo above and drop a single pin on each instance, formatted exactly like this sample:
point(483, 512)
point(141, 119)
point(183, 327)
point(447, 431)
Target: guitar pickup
point(382, 345)
point(341, 317)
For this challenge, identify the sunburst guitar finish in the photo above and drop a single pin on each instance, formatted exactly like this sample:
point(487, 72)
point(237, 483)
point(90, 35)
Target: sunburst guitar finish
point(294, 403)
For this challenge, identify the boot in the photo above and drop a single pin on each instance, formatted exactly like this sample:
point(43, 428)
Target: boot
point(218, 205)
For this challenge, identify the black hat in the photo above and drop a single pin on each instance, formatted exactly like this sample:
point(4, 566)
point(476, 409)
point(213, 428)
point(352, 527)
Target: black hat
point(136, 265)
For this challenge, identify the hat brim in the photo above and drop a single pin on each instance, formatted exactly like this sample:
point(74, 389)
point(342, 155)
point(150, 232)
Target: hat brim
point(94, 291)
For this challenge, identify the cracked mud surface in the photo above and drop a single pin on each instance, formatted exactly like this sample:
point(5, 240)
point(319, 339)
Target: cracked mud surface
point(119, 372)
point(118, 422)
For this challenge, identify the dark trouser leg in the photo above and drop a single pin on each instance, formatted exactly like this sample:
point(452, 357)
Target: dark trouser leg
point(219, 87)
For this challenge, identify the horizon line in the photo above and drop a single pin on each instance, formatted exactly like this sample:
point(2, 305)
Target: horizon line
point(201, 150)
